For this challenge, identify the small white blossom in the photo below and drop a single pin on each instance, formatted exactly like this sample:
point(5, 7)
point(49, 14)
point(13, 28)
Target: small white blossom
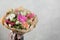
point(9, 25)
point(17, 22)
point(23, 13)
point(10, 16)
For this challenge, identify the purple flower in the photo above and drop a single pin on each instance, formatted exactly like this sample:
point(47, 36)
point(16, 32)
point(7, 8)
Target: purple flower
point(21, 18)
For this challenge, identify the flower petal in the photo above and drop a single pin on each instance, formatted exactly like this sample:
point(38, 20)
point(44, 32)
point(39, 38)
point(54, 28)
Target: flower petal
point(21, 18)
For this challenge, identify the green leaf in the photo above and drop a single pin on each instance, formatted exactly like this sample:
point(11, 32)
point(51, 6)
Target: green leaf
point(18, 26)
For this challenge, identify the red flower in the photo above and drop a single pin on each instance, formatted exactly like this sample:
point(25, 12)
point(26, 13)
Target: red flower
point(9, 22)
point(31, 15)
point(12, 23)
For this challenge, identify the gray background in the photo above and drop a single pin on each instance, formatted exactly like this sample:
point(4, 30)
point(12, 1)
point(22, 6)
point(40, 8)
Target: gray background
point(48, 11)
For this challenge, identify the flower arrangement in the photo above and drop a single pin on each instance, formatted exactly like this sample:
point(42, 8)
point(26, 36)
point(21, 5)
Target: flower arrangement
point(20, 19)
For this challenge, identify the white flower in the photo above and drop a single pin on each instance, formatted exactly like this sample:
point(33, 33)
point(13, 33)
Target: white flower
point(9, 25)
point(17, 22)
point(23, 13)
point(10, 16)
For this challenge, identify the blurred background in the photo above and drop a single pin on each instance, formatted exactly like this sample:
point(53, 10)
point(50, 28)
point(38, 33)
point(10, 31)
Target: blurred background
point(48, 13)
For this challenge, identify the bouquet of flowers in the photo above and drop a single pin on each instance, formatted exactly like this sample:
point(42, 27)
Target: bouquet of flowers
point(19, 19)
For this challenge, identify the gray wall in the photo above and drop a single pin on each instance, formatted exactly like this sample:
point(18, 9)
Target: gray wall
point(48, 11)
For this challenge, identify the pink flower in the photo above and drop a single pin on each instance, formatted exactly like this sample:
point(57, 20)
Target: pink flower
point(21, 18)
point(31, 15)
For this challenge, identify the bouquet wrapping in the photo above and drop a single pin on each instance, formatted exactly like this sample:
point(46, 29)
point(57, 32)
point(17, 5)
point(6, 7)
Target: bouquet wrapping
point(19, 20)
